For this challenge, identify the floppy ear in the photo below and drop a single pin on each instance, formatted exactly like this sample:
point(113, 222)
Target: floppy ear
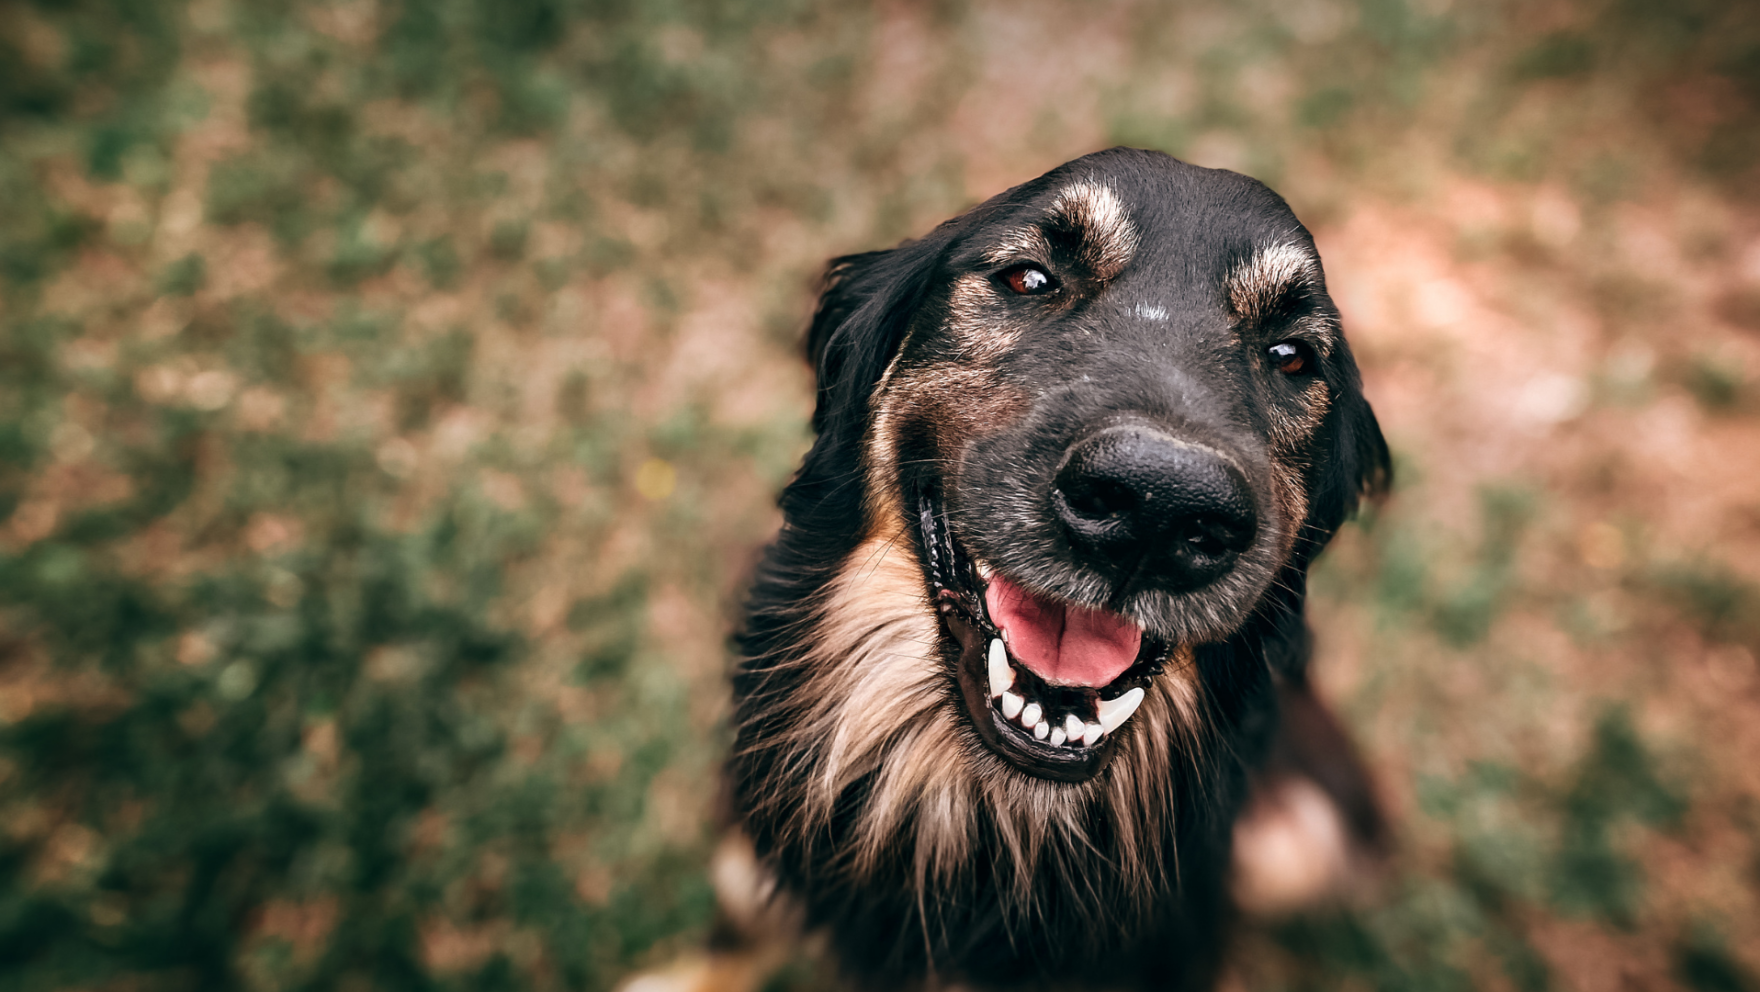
point(863, 315)
point(864, 312)
point(1356, 466)
point(1359, 465)
point(1369, 468)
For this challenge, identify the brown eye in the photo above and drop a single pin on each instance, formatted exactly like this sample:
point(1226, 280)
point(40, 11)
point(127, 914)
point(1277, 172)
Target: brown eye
point(1028, 280)
point(1291, 357)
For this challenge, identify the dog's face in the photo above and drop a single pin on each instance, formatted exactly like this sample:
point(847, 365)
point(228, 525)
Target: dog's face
point(1076, 448)
point(1116, 397)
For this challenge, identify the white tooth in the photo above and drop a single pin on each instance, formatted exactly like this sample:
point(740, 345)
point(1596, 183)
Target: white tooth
point(1058, 737)
point(1072, 727)
point(1041, 729)
point(1001, 673)
point(984, 571)
point(1093, 734)
point(1116, 711)
point(1031, 714)
point(1011, 705)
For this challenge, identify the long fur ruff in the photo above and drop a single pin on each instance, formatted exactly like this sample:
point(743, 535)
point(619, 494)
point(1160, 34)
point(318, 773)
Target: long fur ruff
point(866, 780)
point(875, 709)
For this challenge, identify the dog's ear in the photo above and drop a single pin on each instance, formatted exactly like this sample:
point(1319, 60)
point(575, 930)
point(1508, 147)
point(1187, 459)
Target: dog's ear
point(1359, 467)
point(1369, 468)
point(864, 310)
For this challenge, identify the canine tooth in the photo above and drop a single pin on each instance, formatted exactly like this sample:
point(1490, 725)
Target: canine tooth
point(1001, 674)
point(1058, 737)
point(1072, 727)
point(1116, 711)
point(1031, 714)
point(1092, 734)
point(1011, 705)
point(984, 571)
point(1041, 729)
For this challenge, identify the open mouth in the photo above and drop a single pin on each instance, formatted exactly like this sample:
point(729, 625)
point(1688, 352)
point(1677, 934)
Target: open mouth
point(1049, 685)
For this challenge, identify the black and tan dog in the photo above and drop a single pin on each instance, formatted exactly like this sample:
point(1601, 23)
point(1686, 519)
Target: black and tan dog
point(1035, 618)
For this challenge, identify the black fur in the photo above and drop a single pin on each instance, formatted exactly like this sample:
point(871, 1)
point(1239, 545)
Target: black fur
point(1085, 927)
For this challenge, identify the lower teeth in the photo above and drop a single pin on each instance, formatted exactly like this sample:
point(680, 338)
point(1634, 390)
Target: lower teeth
point(1073, 731)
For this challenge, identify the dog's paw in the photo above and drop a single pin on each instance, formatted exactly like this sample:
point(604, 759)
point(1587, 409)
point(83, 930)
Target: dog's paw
point(1292, 849)
point(713, 973)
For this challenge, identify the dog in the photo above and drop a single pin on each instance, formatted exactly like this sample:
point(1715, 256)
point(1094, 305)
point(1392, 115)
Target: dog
point(1031, 637)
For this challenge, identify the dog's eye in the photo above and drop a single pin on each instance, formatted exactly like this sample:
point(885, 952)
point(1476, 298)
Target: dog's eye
point(1291, 357)
point(1028, 280)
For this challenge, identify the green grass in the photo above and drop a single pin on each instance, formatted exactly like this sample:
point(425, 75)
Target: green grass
point(392, 397)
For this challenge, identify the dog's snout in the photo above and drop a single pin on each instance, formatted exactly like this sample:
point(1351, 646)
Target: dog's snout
point(1150, 510)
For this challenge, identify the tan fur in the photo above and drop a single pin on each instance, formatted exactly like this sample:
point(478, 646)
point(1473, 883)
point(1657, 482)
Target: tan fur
point(880, 701)
point(878, 447)
point(746, 891)
point(962, 401)
point(962, 398)
point(984, 334)
point(1109, 239)
point(1255, 286)
point(1290, 436)
point(719, 972)
point(1292, 849)
point(1024, 243)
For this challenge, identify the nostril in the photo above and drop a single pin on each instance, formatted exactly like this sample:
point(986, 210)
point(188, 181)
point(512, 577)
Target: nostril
point(1205, 542)
point(1215, 536)
point(1100, 499)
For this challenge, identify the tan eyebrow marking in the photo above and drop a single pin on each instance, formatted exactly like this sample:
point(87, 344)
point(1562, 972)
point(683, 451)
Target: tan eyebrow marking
point(1255, 286)
point(1022, 242)
point(1106, 237)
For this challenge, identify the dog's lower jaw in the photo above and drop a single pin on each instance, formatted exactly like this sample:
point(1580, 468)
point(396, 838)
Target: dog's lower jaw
point(1077, 750)
point(1064, 730)
point(1049, 761)
point(922, 852)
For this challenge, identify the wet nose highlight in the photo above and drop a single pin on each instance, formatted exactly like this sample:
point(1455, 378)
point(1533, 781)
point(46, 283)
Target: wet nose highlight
point(1143, 506)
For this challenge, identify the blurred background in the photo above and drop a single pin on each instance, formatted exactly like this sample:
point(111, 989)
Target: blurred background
point(393, 396)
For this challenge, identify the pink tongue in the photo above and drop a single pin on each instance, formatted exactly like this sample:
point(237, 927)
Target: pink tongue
point(1062, 644)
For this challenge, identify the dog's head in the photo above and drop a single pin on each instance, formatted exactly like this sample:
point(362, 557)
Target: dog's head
point(1107, 410)
point(1076, 448)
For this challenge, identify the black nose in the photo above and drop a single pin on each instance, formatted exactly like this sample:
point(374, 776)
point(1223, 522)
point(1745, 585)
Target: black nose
point(1144, 508)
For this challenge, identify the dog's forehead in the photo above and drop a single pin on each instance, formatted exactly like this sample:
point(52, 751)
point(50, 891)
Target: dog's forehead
point(1167, 224)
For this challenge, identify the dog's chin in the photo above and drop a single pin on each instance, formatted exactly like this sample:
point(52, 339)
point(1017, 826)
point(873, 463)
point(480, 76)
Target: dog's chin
point(1050, 687)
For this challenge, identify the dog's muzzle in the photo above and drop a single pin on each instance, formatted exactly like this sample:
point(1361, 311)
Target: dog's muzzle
point(1145, 509)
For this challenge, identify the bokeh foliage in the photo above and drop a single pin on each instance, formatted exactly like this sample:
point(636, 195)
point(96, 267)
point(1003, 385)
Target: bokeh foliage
point(375, 493)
